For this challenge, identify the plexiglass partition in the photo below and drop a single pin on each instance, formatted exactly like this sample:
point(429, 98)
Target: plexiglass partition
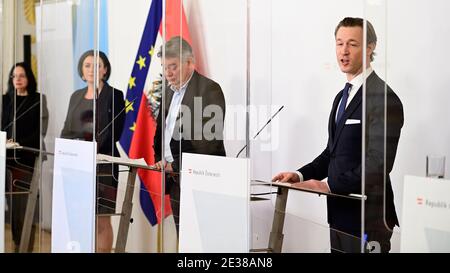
point(309, 67)
point(73, 74)
point(383, 121)
point(204, 107)
point(415, 169)
point(368, 156)
point(21, 119)
point(141, 75)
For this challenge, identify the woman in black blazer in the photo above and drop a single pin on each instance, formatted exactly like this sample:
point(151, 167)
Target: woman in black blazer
point(22, 119)
point(109, 124)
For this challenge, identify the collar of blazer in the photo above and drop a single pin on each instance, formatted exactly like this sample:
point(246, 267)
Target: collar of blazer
point(82, 92)
point(187, 95)
point(354, 104)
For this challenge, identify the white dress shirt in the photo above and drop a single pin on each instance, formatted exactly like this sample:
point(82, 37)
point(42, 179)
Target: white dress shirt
point(171, 118)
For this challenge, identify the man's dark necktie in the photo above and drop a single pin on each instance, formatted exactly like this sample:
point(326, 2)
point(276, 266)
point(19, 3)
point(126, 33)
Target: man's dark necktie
point(344, 99)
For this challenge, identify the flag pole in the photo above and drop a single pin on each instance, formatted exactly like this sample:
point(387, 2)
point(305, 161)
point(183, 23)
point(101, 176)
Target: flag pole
point(163, 102)
point(159, 244)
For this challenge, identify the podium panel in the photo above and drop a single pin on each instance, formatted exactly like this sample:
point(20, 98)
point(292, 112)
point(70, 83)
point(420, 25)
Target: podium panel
point(2, 189)
point(73, 209)
point(214, 204)
point(426, 210)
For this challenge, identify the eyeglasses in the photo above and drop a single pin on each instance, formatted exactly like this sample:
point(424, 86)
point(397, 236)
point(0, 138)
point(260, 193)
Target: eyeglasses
point(20, 76)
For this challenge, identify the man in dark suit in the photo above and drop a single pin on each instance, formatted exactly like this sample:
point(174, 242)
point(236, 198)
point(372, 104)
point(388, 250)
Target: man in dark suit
point(341, 160)
point(193, 111)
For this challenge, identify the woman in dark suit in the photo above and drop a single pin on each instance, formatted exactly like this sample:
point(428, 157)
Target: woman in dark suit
point(109, 122)
point(22, 119)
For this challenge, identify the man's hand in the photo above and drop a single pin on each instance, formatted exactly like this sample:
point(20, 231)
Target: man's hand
point(167, 167)
point(314, 185)
point(286, 177)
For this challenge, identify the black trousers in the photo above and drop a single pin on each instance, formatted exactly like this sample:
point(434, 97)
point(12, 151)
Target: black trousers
point(18, 180)
point(376, 242)
point(173, 188)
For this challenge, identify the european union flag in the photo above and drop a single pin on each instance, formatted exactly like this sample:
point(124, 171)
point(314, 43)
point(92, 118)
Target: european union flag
point(135, 90)
point(138, 77)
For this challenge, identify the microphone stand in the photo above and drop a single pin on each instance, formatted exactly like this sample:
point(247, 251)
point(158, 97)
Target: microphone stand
point(116, 116)
point(267, 123)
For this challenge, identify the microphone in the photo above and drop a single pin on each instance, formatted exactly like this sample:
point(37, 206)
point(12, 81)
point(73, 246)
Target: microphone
point(21, 115)
point(116, 116)
point(267, 123)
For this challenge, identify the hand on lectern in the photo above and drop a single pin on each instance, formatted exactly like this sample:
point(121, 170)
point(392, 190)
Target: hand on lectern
point(10, 143)
point(167, 167)
point(313, 184)
point(286, 177)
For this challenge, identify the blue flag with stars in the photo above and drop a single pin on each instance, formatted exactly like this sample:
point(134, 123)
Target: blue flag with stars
point(138, 77)
point(135, 91)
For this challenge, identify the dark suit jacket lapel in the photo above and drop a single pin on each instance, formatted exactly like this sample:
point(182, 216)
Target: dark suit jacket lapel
point(189, 93)
point(169, 95)
point(332, 120)
point(78, 99)
point(188, 98)
point(188, 101)
point(354, 104)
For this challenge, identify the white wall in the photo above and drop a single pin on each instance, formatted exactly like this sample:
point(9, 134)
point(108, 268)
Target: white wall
point(417, 68)
point(126, 23)
point(54, 39)
point(8, 43)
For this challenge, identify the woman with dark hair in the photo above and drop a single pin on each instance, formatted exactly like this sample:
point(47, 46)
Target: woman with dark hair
point(21, 119)
point(109, 120)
